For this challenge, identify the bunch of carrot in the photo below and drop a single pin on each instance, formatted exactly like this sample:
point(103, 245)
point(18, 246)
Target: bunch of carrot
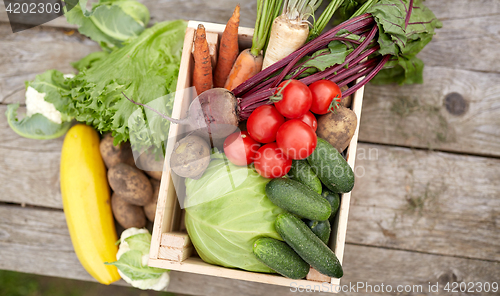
point(228, 52)
point(233, 67)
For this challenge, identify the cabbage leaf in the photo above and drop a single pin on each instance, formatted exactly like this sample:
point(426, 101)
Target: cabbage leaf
point(110, 22)
point(226, 211)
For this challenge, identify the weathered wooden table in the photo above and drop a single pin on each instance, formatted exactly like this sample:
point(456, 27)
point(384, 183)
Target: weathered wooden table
point(426, 205)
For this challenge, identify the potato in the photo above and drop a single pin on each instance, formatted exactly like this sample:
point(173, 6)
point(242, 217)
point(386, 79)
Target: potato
point(150, 208)
point(190, 157)
point(346, 102)
point(127, 215)
point(131, 184)
point(338, 127)
point(112, 155)
point(151, 164)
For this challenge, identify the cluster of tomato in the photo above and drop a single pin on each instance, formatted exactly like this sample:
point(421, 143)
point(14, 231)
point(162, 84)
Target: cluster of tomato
point(287, 128)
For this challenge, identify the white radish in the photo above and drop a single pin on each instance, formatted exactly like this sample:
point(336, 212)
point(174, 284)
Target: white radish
point(286, 37)
point(289, 30)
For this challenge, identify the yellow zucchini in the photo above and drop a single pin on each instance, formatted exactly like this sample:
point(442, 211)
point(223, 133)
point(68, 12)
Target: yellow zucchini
point(86, 201)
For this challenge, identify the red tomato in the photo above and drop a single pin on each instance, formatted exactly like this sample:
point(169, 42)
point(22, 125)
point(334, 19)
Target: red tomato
point(310, 120)
point(270, 162)
point(296, 139)
point(240, 148)
point(323, 92)
point(263, 124)
point(296, 99)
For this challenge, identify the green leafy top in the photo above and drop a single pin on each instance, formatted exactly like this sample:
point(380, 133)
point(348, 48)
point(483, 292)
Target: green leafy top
point(404, 43)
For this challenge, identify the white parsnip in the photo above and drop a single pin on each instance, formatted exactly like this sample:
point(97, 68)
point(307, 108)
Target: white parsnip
point(290, 30)
point(286, 37)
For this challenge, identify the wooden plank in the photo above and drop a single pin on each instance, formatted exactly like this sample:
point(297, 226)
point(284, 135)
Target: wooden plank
point(201, 10)
point(418, 116)
point(29, 171)
point(36, 241)
point(473, 26)
point(25, 54)
point(424, 201)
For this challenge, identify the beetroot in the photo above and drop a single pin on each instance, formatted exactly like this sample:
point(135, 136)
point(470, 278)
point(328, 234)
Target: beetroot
point(214, 112)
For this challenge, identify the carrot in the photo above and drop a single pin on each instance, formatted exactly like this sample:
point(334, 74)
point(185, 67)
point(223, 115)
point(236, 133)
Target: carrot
point(249, 62)
point(228, 50)
point(246, 66)
point(202, 73)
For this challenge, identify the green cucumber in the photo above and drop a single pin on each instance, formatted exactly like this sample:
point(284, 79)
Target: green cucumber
point(331, 168)
point(322, 229)
point(298, 198)
point(310, 247)
point(278, 256)
point(301, 171)
point(334, 200)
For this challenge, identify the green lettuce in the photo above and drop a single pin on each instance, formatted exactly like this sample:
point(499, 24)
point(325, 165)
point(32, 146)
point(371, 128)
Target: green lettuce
point(226, 211)
point(146, 70)
point(90, 60)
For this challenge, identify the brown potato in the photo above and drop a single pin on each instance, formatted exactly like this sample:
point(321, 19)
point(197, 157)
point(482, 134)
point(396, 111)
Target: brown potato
point(131, 184)
point(338, 127)
point(127, 215)
point(346, 102)
point(112, 155)
point(191, 157)
point(150, 208)
point(151, 164)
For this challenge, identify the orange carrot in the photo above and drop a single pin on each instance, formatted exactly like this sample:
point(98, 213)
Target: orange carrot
point(249, 62)
point(246, 66)
point(202, 73)
point(228, 50)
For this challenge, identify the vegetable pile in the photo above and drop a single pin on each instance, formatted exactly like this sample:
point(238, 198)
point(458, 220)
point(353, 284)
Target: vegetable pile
point(280, 111)
point(297, 123)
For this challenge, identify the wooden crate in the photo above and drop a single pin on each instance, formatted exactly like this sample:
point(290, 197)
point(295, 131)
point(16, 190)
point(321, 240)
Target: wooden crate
point(169, 214)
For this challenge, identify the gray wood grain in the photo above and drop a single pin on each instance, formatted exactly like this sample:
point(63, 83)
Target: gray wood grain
point(25, 54)
point(163, 10)
point(37, 241)
point(470, 36)
point(417, 116)
point(29, 169)
point(425, 201)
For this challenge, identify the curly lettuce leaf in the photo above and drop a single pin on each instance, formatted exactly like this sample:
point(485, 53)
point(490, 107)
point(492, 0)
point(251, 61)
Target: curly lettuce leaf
point(146, 69)
point(89, 61)
point(226, 211)
point(36, 126)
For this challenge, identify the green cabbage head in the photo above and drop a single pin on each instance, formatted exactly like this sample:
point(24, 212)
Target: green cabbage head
point(226, 211)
